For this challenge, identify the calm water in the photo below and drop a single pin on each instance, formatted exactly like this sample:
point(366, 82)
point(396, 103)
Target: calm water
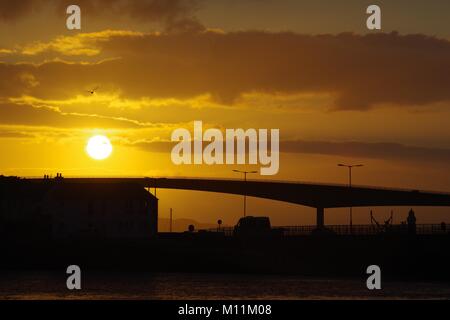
point(45, 285)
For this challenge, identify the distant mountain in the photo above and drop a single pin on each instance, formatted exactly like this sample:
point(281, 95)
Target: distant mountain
point(180, 225)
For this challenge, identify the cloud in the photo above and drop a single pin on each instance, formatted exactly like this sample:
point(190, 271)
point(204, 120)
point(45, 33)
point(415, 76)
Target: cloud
point(12, 10)
point(152, 146)
point(175, 15)
point(358, 71)
point(82, 44)
point(6, 51)
point(22, 114)
point(15, 134)
point(384, 151)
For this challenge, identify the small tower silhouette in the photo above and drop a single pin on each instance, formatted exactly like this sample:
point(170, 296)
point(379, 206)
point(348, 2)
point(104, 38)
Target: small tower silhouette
point(411, 222)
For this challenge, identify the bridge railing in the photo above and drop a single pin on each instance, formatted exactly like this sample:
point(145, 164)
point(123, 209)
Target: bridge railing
point(355, 230)
point(421, 229)
point(228, 231)
point(315, 183)
point(336, 229)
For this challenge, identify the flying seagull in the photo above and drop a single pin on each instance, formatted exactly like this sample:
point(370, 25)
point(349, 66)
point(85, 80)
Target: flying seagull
point(93, 90)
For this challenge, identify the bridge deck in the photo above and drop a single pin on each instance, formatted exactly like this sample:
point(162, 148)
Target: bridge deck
point(311, 195)
point(319, 196)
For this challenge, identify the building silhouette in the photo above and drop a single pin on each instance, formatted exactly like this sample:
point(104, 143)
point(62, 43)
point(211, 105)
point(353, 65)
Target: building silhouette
point(61, 210)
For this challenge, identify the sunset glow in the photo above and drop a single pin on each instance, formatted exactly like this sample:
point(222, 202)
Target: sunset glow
point(337, 92)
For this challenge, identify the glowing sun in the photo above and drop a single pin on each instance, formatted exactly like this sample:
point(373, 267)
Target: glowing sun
point(99, 147)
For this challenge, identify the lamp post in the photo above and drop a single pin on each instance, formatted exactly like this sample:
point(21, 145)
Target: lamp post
point(170, 226)
point(245, 189)
point(350, 166)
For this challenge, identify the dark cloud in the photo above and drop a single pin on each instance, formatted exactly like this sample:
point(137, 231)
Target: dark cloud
point(176, 15)
point(360, 71)
point(385, 151)
point(13, 10)
point(153, 146)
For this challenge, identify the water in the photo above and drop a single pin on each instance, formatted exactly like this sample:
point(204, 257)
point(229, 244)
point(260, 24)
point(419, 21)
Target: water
point(167, 286)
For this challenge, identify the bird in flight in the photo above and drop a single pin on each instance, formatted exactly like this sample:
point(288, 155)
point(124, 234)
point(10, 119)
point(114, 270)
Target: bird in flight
point(93, 90)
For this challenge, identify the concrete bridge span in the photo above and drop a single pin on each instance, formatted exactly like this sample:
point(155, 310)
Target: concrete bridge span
point(319, 196)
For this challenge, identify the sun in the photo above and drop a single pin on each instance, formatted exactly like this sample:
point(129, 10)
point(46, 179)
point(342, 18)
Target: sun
point(99, 147)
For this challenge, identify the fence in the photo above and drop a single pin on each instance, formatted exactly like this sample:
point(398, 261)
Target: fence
point(355, 230)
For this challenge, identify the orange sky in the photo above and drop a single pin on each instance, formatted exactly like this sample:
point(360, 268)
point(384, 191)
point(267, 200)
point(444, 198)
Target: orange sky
point(337, 92)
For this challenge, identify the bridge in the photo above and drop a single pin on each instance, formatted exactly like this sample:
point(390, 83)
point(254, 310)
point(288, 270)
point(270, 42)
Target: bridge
point(319, 196)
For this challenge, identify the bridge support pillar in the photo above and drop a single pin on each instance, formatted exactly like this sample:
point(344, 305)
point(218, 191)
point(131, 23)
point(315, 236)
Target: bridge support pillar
point(320, 218)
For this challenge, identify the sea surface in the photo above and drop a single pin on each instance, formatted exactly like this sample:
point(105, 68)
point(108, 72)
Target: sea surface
point(167, 286)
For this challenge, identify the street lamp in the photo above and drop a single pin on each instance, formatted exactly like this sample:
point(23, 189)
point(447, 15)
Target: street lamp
point(245, 190)
point(350, 166)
